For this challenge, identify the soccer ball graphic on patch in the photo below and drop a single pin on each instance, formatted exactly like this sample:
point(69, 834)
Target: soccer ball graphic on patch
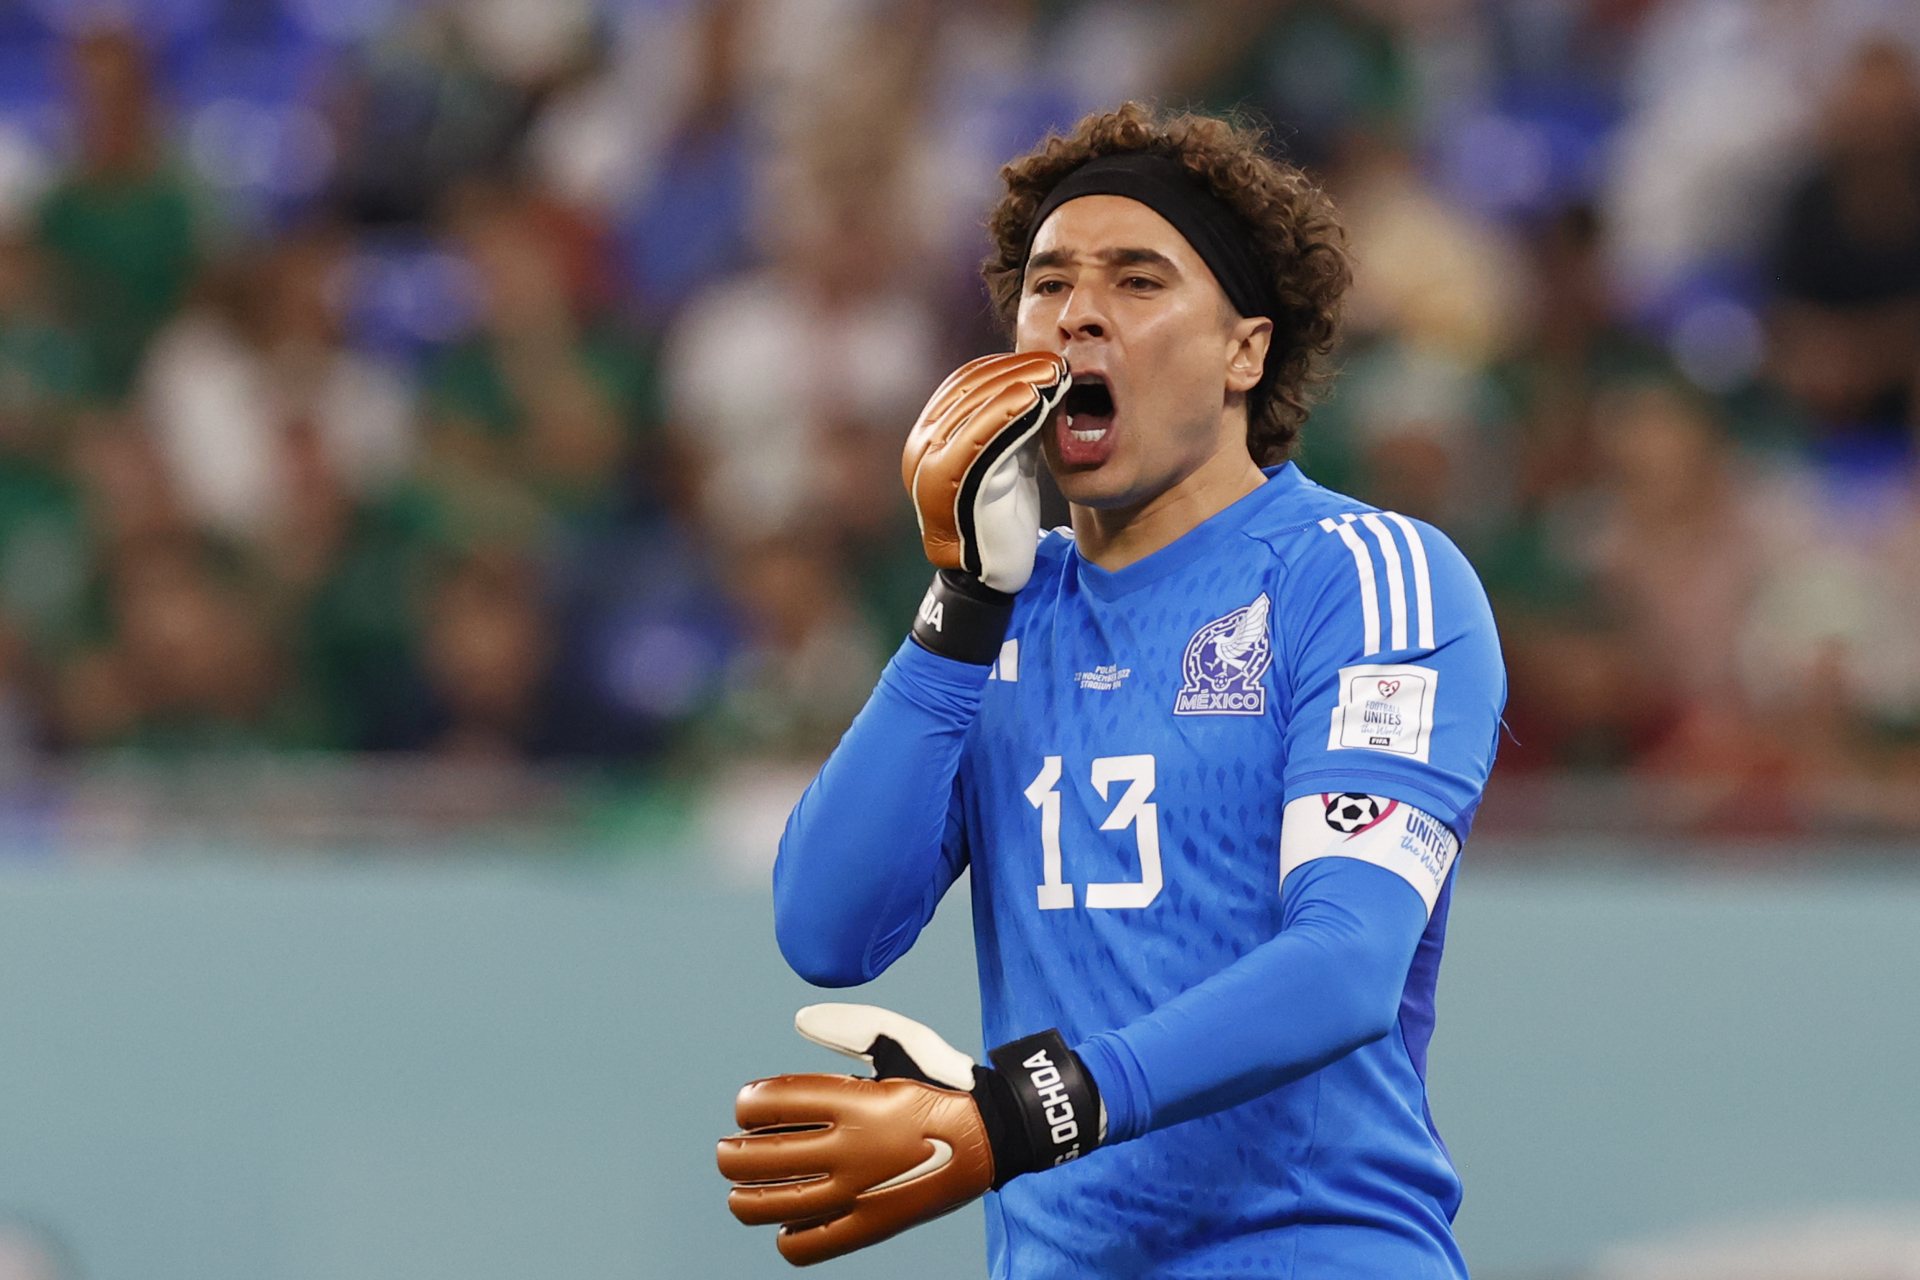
point(1351, 813)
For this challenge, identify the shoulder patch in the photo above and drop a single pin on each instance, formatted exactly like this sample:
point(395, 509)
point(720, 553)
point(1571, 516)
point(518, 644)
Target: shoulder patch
point(1385, 707)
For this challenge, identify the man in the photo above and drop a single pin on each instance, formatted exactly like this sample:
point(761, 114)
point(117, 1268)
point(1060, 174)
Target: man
point(1210, 758)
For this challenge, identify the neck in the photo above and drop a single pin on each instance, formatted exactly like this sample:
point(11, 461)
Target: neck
point(1116, 537)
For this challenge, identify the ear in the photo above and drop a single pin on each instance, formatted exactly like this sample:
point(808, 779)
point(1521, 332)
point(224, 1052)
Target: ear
point(1247, 341)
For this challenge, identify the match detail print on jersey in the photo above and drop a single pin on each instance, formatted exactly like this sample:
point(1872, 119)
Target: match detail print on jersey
point(1224, 664)
point(1385, 707)
point(1396, 578)
point(1414, 845)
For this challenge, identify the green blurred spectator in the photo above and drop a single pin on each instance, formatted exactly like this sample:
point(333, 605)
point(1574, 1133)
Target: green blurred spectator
point(1319, 71)
point(178, 651)
point(269, 424)
point(486, 647)
point(44, 552)
point(539, 411)
point(1581, 694)
point(357, 641)
point(43, 540)
point(43, 365)
point(188, 662)
point(121, 226)
point(1575, 350)
point(810, 659)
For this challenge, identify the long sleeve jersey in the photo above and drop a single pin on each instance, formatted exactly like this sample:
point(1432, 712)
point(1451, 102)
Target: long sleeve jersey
point(1211, 803)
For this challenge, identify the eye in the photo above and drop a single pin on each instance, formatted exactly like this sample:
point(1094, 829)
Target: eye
point(1049, 288)
point(1139, 284)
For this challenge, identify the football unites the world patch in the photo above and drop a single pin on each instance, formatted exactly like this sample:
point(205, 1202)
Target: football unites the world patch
point(1387, 708)
point(1225, 664)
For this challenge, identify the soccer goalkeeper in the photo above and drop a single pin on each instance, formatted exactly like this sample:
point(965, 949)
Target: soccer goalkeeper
point(1210, 755)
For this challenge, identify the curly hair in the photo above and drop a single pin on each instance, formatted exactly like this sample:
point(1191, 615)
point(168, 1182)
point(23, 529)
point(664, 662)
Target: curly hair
point(1296, 233)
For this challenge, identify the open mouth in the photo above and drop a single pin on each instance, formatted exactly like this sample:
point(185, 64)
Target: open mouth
point(1088, 407)
point(1085, 434)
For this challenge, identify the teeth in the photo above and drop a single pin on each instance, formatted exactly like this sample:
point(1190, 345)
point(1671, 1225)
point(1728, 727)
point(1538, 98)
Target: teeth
point(1086, 436)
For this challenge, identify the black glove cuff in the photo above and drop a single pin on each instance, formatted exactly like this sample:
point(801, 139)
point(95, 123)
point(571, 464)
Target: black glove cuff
point(962, 618)
point(1040, 1106)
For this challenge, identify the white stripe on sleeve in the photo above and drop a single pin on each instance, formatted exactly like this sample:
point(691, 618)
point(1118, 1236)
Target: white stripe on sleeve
point(1369, 593)
point(1422, 584)
point(1396, 581)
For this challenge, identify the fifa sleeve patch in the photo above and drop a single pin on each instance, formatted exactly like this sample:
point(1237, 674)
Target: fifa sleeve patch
point(1411, 843)
point(1385, 708)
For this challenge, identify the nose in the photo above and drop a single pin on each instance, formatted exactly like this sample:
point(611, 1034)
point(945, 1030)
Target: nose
point(1085, 314)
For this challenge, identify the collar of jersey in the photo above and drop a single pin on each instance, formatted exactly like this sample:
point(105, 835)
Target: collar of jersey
point(1203, 538)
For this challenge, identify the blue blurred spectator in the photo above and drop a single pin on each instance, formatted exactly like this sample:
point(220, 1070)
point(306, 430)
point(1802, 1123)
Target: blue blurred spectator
point(1721, 101)
point(418, 115)
point(689, 222)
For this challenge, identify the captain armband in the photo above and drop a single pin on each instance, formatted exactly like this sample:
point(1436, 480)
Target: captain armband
point(1411, 843)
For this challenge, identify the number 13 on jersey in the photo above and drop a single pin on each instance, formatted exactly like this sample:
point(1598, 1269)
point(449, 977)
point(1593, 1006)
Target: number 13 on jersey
point(1133, 809)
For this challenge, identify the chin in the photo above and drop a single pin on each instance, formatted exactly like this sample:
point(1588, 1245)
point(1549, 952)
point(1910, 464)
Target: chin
point(1105, 486)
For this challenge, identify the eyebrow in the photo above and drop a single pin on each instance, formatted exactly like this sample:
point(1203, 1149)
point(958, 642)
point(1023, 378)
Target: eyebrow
point(1109, 257)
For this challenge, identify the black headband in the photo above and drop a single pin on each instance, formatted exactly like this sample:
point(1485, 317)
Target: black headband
point(1216, 232)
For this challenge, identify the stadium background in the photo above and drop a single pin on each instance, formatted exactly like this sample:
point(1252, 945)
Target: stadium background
point(448, 504)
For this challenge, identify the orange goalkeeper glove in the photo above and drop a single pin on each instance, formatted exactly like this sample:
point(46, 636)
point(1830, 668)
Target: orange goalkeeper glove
point(971, 467)
point(842, 1162)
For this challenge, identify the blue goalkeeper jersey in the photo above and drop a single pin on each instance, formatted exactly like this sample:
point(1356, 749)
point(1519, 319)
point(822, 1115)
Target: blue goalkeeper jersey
point(1119, 800)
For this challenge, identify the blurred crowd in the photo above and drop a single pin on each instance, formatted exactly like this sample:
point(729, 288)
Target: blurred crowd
point(526, 378)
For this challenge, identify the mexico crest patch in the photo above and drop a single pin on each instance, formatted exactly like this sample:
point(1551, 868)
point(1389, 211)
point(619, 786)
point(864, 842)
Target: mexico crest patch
point(1225, 663)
